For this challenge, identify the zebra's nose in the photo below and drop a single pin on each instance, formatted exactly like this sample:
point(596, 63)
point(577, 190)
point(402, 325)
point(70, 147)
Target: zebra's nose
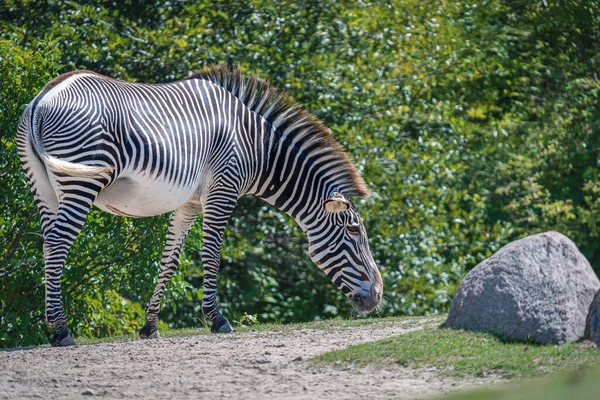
point(377, 291)
point(367, 301)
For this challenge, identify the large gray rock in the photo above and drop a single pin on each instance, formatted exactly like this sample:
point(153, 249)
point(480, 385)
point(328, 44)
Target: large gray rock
point(539, 287)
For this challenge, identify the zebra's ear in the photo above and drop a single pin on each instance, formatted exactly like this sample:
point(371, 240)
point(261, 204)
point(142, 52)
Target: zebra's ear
point(337, 203)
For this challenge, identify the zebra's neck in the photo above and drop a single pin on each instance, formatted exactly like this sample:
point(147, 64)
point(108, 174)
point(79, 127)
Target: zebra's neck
point(295, 162)
point(295, 173)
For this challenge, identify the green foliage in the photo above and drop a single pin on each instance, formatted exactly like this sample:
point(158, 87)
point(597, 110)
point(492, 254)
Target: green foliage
point(247, 319)
point(464, 353)
point(24, 72)
point(473, 124)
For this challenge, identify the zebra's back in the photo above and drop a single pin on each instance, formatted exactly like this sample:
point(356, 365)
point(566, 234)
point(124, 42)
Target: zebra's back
point(162, 140)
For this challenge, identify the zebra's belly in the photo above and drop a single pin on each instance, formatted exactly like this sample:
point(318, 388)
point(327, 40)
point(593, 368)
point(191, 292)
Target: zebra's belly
point(138, 198)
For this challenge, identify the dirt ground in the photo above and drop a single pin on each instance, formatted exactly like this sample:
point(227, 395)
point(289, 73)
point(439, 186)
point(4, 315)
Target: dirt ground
point(249, 365)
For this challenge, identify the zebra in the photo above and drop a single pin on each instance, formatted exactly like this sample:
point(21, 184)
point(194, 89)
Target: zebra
point(191, 147)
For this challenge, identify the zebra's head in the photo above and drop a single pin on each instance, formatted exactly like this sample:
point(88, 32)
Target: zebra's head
point(338, 244)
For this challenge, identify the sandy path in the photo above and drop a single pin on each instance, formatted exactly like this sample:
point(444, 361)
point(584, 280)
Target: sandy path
point(250, 365)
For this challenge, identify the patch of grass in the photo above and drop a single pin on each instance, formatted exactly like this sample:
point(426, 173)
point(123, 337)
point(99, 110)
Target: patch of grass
point(275, 327)
point(576, 384)
point(463, 353)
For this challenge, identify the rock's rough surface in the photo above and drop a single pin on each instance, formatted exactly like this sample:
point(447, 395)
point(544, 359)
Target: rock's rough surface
point(539, 287)
point(592, 325)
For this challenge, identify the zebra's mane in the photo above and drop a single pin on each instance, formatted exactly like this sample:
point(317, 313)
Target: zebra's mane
point(284, 114)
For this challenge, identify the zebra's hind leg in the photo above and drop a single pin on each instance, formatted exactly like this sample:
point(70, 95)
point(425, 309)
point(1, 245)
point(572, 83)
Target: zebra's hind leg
point(73, 208)
point(217, 211)
point(182, 220)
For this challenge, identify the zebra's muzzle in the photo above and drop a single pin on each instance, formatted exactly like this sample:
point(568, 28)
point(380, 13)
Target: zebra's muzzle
point(366, 302)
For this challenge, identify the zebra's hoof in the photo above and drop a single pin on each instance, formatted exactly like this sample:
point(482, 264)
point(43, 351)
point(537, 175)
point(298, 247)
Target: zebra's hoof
point(62, 339)
point(221, 326)
point(149, 332)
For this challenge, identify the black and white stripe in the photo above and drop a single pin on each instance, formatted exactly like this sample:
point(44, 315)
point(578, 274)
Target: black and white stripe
point(193, 147)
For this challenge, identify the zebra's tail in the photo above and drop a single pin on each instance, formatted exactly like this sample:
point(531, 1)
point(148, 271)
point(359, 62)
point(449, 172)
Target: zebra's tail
point(74, 169)
point(61, 166)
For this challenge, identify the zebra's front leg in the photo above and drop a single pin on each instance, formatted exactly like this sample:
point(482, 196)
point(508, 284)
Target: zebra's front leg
point(182, 221)
point(217, 211)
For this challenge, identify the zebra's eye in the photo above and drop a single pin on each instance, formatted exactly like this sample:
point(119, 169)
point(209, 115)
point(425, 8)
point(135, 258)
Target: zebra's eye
point(353, 229)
